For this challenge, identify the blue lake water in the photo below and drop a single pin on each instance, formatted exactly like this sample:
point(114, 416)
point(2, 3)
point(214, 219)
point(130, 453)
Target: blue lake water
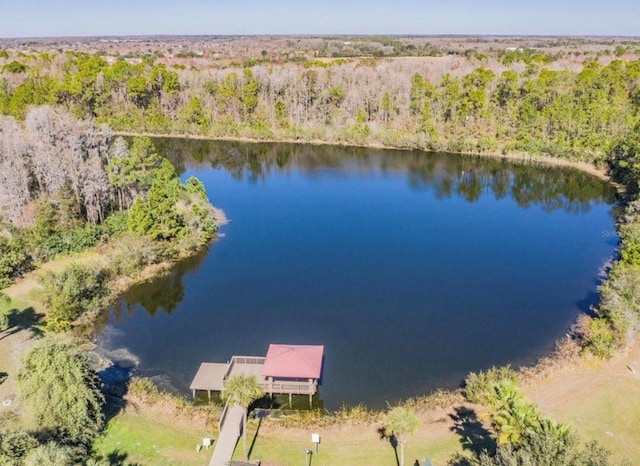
point(411, 268)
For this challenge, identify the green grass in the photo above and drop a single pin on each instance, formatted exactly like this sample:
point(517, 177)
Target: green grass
point(611, 416)
point(138, 440)
point(358, 446)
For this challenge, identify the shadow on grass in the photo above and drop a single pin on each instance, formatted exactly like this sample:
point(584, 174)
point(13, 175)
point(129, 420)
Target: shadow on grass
point(393, 441)
point(116, 458)
point(22, 319)
point(474, 437)
point(260, 416)
point(253, 441)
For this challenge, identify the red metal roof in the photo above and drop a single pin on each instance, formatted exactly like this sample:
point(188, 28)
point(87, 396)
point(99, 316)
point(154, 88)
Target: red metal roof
point(293, 361)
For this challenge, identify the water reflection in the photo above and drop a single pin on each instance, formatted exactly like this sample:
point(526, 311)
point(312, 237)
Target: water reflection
point(469, 177)
point(160, 294)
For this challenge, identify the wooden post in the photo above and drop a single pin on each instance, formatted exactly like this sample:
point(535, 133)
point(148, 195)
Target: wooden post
point(290, 404)
point(194, 393)
point(209, 394)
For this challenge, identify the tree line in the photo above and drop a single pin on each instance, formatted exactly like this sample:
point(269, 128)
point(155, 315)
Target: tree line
point(503, 107)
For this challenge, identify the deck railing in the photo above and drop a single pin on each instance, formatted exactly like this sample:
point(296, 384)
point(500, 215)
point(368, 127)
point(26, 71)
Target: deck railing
point(249, 359)
point(255, 360)
point(223, 416)
point(277, 386)
point(295, 388)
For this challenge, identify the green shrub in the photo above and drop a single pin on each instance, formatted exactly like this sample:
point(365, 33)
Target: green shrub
point(133, 253)
point(61, 395)
point(14, 260)
point(69, 241)
point(541, 448)
point(50, 454)
point(75, 291)
point(599, 338)
point(630, 250)
point(115, 224)
point(480, 387)
point(144, 388)
point(15, 67)
point(14, 445)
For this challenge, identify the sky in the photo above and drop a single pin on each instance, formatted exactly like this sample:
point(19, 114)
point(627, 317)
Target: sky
point(47, 18)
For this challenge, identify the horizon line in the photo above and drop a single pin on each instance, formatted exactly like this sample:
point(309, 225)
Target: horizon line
point(322, 35)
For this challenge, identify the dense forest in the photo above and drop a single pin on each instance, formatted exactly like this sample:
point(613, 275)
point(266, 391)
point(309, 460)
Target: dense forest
point(520, 104)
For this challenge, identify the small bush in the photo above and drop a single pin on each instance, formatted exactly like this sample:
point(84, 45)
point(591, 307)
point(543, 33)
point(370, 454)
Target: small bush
point(76, 291)
point(598, 337)
point(115, 224)
point(480, 387)
point(14, 445)
point(136, 252)
point(438, 399)
point(50, 454)
point(358, 414)
point(66, 242)
point(144, 389)
point(14, 260)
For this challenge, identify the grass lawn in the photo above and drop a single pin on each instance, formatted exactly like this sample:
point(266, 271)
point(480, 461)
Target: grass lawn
point(358, 445)
point(134, 439)
point(600, 400)
point(611, 415)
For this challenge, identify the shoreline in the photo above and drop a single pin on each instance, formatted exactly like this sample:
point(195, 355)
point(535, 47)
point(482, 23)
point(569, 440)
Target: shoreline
point(565, 353)
point(544, 367)
point(585, 167)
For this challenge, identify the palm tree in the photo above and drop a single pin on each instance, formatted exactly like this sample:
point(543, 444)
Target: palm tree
point(242, 390)
point(401, 422)
point(514, 418)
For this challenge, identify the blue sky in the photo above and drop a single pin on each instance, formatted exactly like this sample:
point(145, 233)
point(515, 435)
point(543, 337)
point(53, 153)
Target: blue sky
point(28, 18)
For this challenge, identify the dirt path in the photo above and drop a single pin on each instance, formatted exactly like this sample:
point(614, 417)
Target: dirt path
point(13, 345)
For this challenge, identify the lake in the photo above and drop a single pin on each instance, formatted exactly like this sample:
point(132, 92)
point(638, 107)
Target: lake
point(412, 268)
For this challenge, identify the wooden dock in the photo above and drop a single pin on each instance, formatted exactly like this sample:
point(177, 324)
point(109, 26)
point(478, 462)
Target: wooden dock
point(286, 369)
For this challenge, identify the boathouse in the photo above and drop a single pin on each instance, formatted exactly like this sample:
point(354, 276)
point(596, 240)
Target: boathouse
point(285, 370)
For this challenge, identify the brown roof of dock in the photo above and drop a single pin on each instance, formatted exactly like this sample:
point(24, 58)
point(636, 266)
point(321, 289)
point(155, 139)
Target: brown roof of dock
point(293, 361)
